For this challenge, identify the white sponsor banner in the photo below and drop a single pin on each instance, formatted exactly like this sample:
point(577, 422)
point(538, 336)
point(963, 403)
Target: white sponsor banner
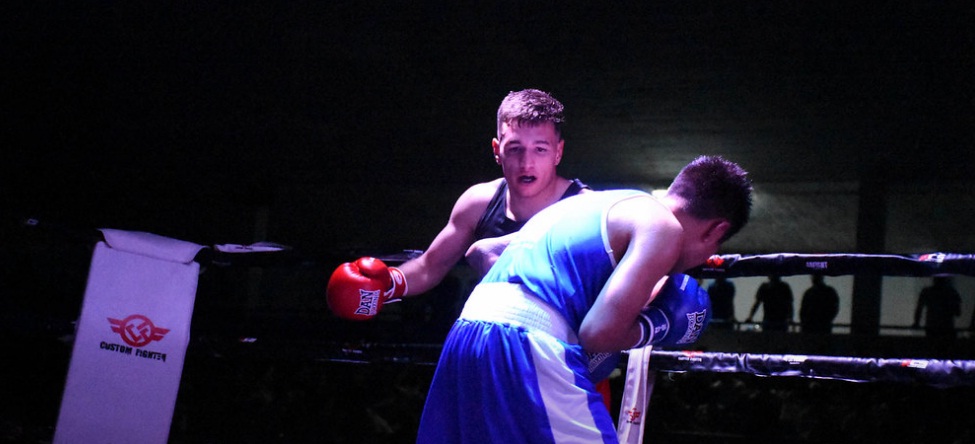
point(636, 396)
point(131, 341)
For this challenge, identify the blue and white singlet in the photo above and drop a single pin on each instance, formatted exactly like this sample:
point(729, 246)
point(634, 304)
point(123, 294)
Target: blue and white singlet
point(511, 370)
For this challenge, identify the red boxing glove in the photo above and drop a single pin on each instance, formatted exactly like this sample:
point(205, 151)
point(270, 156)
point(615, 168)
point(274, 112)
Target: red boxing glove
point(357, 290)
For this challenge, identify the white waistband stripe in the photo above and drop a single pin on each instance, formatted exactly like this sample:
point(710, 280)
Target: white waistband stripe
point(513, 304)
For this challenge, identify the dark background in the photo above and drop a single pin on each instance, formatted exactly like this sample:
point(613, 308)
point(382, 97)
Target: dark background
point(182, 118)
point(336, 127)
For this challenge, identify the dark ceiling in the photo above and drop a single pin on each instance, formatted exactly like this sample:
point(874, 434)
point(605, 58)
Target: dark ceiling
point(132, 114)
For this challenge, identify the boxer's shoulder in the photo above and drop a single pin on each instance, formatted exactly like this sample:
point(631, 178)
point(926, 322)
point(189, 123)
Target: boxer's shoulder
point(480, 194)
point(474, 201)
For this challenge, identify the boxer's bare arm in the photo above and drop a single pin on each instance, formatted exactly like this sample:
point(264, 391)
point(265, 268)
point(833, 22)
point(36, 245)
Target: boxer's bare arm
point(646, 239)
point(450, 245)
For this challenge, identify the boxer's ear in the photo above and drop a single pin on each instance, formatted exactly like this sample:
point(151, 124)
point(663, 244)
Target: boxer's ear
point(716, 230)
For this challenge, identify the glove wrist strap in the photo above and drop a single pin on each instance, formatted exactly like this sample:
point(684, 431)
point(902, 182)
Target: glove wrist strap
point(646, 331)
point(399, 286)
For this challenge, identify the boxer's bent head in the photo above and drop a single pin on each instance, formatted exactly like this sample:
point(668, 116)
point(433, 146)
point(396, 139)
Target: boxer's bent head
point(713, 187)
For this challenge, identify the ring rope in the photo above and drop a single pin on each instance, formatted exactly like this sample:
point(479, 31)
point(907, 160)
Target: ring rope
point(840, 264)
point(932, 372)
point(942, 373)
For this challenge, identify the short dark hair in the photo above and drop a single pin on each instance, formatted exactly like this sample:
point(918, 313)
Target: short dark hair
point(533, 107)
point(713, 187)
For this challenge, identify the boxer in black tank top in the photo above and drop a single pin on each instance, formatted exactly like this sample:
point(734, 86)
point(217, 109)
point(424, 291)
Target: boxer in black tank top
point(494, 222)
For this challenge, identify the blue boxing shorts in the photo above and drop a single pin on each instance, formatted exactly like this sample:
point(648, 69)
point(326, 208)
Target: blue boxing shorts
point(511, 372)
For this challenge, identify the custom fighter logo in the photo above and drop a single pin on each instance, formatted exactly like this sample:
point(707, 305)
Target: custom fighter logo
point(137, 330)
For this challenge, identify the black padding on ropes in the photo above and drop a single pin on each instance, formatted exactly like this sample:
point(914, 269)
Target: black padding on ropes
point(932, 372)
point(788, 264)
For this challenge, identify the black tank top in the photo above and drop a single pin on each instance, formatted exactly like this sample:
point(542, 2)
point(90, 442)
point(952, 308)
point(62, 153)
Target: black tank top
point(494, 222)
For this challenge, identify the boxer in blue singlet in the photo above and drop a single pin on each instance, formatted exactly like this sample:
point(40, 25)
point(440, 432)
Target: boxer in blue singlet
point(573, 280)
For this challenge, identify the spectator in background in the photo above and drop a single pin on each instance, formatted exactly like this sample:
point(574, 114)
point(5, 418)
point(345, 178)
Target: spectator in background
point(722, 293)
point(971, 324)
point(941, 304)
point(775, 298)
point(820, 305)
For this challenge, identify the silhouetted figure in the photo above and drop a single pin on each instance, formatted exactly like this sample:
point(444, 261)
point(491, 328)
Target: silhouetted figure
point(775, 297)
point(820, 305)
point(722, 293)
point(971, 324)
point(942, 304)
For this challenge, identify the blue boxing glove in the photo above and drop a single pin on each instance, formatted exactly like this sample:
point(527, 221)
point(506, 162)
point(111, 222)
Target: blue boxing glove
point(677, 316)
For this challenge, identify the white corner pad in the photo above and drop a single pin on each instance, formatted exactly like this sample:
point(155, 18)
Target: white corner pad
point(151, 245)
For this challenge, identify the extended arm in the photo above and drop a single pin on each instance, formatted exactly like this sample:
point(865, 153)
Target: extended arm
point(751, 313)
point(358, 290)
point(427, 270)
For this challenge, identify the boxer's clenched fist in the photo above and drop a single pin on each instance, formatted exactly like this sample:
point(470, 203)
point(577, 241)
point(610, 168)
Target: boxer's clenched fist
point(677, 315)
point(357, 290)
